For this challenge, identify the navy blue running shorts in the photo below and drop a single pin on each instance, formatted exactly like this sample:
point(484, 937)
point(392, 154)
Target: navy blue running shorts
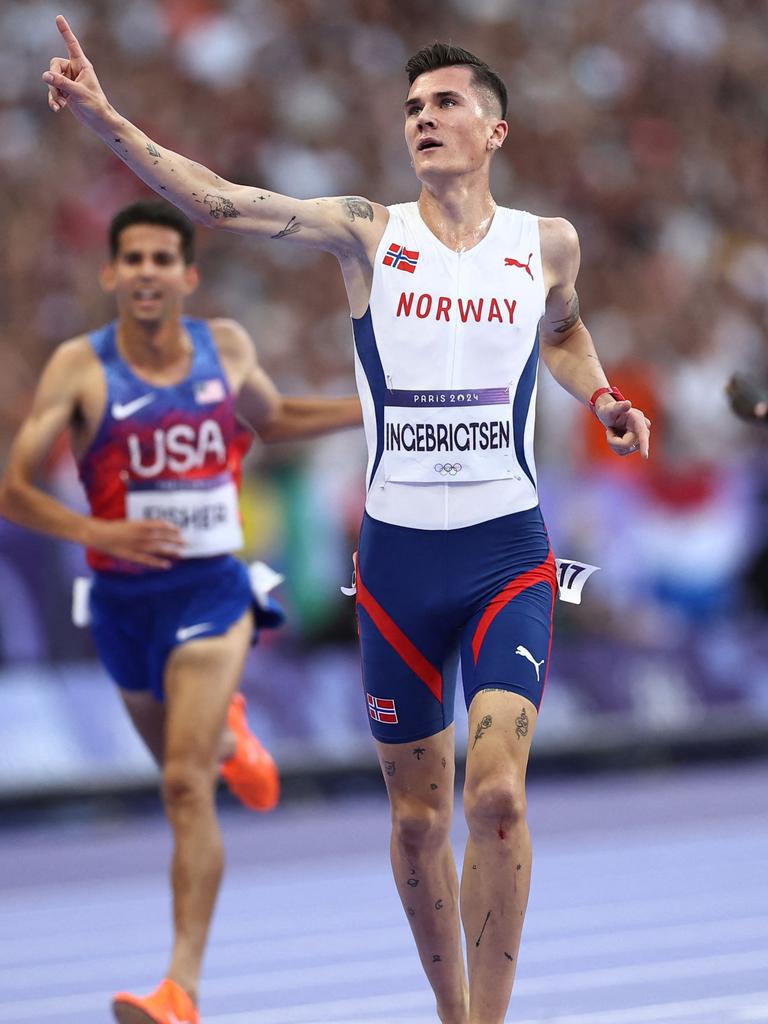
point(481, 595)
point(137, 620)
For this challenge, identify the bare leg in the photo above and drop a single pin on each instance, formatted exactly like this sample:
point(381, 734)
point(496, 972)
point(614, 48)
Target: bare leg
point(497, 863)
point(201, 678)
point(419, 778)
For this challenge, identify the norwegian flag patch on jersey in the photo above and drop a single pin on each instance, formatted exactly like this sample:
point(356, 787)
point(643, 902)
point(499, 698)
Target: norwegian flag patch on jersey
point(382, 709)
point(400, 258)
point(209, 391)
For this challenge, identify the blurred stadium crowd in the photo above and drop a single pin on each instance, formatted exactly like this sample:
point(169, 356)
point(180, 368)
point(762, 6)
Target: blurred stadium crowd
point(641, 121)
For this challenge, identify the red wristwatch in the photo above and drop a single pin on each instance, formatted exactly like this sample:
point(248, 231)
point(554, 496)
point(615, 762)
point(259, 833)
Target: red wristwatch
point(615, 394)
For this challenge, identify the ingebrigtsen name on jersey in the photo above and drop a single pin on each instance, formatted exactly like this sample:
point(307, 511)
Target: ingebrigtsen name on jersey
point(447, 437)
point(442, 307)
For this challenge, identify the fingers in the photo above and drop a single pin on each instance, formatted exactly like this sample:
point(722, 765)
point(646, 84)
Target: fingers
point(73, 46)
point(57, 99)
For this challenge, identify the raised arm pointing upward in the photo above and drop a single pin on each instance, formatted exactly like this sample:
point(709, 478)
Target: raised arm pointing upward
point(452, 299)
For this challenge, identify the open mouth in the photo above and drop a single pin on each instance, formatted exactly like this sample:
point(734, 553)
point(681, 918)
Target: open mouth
point(147, 295)
point(428, 144)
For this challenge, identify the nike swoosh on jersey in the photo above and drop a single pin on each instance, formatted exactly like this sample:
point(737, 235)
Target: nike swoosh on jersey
point(121, 411)
point(187, 632)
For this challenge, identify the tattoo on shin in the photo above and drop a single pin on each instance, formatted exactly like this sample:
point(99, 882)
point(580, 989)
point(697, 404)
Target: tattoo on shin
point(485, 922)
point(357, 207)
point(521, 724)
point(485, 723)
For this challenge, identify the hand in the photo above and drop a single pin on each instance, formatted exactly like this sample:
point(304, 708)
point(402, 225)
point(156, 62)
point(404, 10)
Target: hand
point(748, 399)
point(628, 430)
point(150, 542)
point(72, 82)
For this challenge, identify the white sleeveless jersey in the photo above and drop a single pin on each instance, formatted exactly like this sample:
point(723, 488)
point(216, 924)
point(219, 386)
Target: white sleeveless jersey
point(446, 359)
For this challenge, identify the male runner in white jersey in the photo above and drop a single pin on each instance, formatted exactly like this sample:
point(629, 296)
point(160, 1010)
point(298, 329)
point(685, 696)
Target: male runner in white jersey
point(150, 401)
point(449, 297)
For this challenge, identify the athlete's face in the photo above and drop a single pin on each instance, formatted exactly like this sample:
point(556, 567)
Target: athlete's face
point(148, 276)
point(451, 126)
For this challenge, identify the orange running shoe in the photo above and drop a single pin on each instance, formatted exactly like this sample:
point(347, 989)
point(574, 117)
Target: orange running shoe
point(168, 1004)
point(251, 774)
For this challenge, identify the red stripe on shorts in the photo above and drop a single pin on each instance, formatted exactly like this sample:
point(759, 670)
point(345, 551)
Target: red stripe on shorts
point(397, 639)
point(544, 573)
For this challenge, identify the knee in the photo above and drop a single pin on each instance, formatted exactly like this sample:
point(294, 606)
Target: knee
point(418, 826)
point(185, 784)
point(495, 805)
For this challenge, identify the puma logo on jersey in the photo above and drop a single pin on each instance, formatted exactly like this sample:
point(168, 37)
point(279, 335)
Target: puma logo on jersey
point(525, 653)
point(122, 410)
point(180, 449)
point(508, 262)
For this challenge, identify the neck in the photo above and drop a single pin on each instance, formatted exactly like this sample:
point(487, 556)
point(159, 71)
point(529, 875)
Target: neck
point(459, 212)
point(153, 346)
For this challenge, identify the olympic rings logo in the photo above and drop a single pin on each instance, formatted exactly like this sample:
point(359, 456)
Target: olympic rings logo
point(448, 468)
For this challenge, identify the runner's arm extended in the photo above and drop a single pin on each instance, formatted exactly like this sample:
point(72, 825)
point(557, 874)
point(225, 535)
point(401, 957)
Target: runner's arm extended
point(341, 225)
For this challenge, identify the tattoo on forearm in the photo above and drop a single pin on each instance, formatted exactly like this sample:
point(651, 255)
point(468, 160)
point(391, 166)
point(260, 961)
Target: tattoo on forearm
point(290, 229)
point(485, 723)
point(389, 767)
point(485, 922)
point(356, 207)
point(573, 315)
point(521, 724)
point(220, 207)
point(154, 151)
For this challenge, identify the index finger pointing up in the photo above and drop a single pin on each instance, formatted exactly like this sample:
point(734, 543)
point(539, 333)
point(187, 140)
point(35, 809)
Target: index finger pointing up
point(73, 46)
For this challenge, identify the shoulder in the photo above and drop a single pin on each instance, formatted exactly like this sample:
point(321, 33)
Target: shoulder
point(231, 338)
point(72, 356)
point(560, 251)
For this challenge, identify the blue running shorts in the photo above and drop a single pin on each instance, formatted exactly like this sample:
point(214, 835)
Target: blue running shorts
point(483, 594)
point(137, 620)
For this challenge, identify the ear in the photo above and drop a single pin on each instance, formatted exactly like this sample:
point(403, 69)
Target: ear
point(108, 277)
point(498, 135)
point(191, 279)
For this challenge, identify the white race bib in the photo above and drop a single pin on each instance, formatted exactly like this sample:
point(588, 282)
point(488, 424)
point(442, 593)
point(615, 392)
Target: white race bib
point(205, 511)
point(446, 436)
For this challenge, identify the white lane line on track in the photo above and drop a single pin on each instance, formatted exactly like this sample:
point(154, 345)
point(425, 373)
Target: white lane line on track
point(272, 952)
point(291, 980)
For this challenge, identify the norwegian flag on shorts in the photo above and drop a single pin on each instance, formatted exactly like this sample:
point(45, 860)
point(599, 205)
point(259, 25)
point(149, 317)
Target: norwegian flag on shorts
point(401, 258)
point(382, 709)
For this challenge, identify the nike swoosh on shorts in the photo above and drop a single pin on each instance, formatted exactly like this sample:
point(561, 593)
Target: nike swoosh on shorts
point(187, 632)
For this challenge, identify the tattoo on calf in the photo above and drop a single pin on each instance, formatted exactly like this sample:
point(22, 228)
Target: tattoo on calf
point(290, 229)
point(357, 207)
point(521, 724)
point(485, 723)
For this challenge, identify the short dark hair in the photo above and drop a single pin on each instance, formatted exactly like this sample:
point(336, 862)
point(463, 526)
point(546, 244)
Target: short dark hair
point(444, 55)
point(153, 211)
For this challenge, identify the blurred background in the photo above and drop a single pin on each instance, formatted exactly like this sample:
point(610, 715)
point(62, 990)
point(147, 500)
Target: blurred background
point(641, 121)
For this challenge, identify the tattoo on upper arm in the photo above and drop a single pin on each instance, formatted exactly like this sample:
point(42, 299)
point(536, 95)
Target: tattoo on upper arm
point(290, 229)
point(521, 724)
point(573, 315)
point(220, 206)
point(356, 207)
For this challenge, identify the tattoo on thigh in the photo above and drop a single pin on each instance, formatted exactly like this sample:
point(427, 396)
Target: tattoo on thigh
point(413, 882)
point(521, 724)
point(443, 762)
point(389, 767)
point(506, 954)
point(485, 723)
point(419, 752)
point(436, 958)
point(411, 912)
point(438, 905)
point(433, 785)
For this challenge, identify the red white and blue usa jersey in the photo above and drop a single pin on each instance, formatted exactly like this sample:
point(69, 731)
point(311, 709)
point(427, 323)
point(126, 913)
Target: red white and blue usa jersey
point(446, 359)
point(171, 453)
